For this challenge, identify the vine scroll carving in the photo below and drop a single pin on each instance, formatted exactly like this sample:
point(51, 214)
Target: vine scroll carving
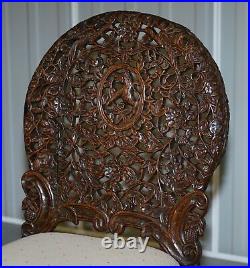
point(126, 119)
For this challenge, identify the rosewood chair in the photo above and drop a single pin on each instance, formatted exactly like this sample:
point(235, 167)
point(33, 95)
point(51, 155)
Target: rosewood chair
point(126, 119)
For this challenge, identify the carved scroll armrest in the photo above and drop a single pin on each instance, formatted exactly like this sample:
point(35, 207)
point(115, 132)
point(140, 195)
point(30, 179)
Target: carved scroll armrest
point(186, 225)
point(38, 205)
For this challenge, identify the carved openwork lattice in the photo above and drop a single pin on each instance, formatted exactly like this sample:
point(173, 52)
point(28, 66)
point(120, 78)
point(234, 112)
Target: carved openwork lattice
point(126, 119)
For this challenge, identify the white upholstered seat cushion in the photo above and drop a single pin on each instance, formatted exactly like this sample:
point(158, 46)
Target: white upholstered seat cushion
point(71, 249)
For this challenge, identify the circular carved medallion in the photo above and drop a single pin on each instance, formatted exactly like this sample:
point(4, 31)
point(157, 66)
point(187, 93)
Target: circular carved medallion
point(121, 96)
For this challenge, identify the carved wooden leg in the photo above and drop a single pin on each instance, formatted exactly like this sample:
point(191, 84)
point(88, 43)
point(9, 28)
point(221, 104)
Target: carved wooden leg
point(38, 205)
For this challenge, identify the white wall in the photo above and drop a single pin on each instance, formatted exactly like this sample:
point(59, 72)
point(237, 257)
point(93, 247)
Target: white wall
point(29, 29)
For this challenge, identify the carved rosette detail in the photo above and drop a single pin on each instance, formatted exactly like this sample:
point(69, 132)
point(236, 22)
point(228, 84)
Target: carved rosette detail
point(126, 119)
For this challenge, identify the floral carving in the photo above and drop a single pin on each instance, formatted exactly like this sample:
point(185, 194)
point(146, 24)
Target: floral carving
point(126, 119)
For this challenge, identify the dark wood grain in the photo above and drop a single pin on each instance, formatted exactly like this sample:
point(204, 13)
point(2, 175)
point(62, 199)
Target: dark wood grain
point(126, 119)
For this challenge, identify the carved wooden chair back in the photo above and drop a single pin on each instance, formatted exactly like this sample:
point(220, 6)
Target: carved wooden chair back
point(126, 119)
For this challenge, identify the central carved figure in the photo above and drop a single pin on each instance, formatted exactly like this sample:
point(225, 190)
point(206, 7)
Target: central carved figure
point(121, 96)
